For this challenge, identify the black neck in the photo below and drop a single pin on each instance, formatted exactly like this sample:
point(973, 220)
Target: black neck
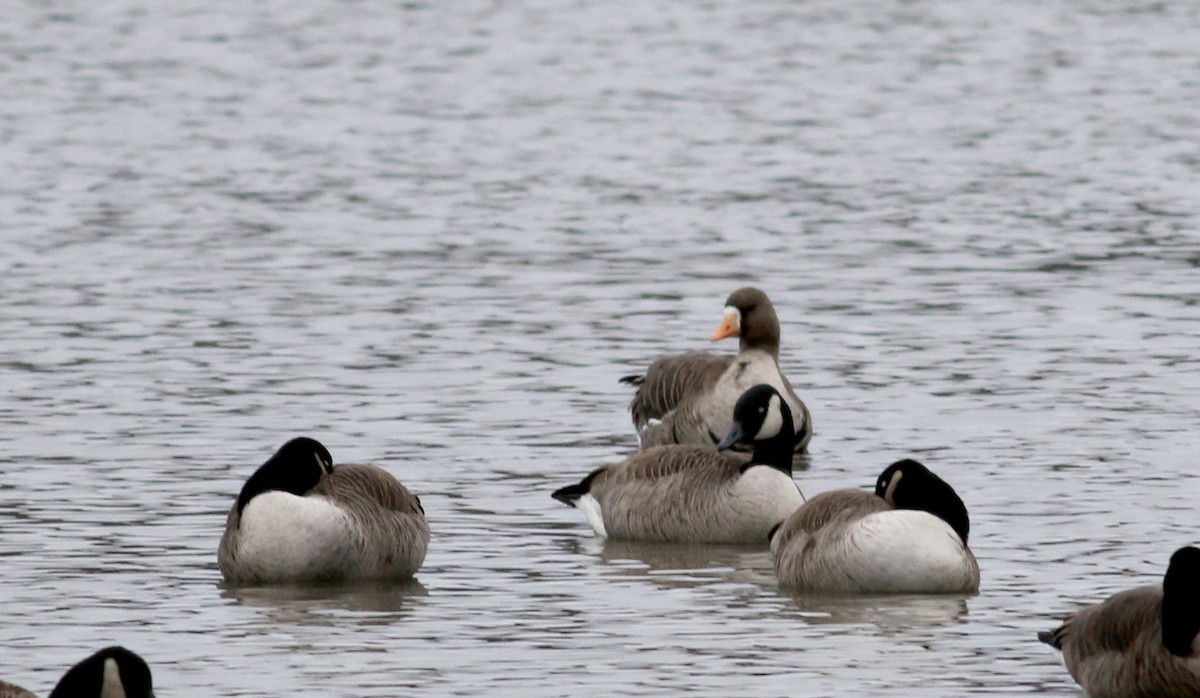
point(1181, 607)
point(282, 473)
point(936, 496)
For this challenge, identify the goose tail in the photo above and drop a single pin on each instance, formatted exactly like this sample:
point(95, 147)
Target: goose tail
point(570, 494)
point(1050, 637)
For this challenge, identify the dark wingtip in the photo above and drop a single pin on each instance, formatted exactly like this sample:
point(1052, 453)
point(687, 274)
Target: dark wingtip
point(570, 494)
point(773, 531)
point(635, 379)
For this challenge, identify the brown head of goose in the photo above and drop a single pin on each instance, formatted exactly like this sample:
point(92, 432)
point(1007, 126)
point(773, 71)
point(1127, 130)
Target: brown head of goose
point(111, 672)
point(694, 494)
point(300, 519)
point(1140, 642)
point(909, 536)
point(689, 398)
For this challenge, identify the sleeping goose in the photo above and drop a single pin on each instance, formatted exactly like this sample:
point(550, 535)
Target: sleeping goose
point(909, 536)
point(299, 519)
point(688, 398)
point(1141, 642)
point(110, 673)
point(694, 494)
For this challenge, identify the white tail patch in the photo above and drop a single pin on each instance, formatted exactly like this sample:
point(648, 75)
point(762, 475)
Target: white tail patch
point(591, 509)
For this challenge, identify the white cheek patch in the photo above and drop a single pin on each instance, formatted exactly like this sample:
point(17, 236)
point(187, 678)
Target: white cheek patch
point(734, 317)
point(889, 495)
point(112, 686)
point(773, 422)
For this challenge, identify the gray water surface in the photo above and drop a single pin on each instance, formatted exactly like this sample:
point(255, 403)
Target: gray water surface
point(435, 235)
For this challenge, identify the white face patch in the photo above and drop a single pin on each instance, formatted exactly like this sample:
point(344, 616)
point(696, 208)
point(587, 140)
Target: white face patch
point(734, 317)
point(773, 422)
point(112, 686)
point(325, 467)
point(889, 494)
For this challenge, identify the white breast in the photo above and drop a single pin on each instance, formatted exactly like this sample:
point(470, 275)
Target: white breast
point(900, 551)
point(291, 537)
point(762, 497)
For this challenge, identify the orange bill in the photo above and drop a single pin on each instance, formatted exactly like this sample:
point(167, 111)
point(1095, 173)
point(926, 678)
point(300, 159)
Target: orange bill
point(729, 328)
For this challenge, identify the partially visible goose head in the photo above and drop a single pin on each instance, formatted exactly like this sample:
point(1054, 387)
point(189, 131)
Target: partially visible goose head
point(1181, 607)
point(761, 419)
point(907, 484)
point(750, 316)
point(296, 467)
point(111, 672)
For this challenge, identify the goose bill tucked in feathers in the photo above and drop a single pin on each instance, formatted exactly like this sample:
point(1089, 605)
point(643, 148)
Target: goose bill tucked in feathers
point(689, 398)
point(300, 519)
point(1139, 643)
point(693, 494)
point(897, 540)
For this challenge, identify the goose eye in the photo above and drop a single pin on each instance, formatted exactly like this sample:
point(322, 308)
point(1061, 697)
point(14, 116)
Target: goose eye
point(761, 410)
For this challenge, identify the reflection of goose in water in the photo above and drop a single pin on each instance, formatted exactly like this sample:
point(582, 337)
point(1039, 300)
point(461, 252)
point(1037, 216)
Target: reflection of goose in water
point(311, 604)
point(889, 613)
point(673, 565)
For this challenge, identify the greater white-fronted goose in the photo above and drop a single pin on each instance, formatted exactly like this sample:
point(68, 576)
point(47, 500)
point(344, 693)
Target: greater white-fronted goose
point(910, 536)
point(689, 398)
point(695, 494)
point(1139, 643)
point(299, 519)
point(113, 672)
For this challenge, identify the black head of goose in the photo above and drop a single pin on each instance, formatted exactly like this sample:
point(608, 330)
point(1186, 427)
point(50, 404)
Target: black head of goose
point(1138, 642)
point(300, 519)
point(113, 671)
point(695, 494)
point(688, 398)
point(762, 421)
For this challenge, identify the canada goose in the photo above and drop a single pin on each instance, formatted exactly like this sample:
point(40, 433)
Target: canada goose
point(1141, 642)
point(299, 519)
point(693, 494)
point(689, 398)
point(110, 673)
point(909, 536)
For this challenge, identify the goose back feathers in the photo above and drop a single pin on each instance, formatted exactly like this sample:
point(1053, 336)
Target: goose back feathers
point(896, 540)
point(300, 519)
point(693, 494)
point(1139, 643)
point(689, 398)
